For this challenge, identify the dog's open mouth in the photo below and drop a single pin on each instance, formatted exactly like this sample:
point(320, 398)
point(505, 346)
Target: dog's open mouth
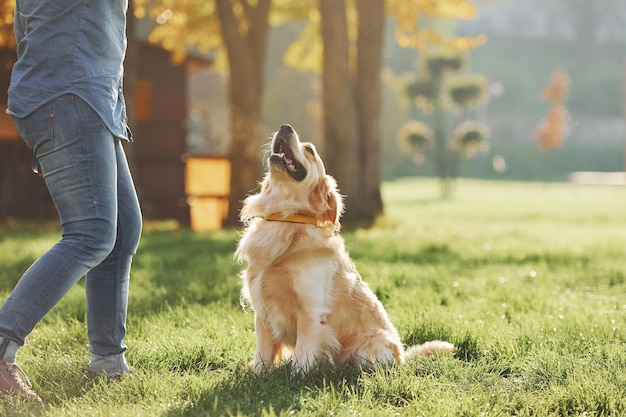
point(282, 155)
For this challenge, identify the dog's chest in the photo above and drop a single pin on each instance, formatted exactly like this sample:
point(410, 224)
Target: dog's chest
point(293, 288)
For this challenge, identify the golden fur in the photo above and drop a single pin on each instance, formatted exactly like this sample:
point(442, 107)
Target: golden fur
point(310, 302)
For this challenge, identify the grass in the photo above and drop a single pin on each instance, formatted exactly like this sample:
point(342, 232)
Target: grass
point(528, 280)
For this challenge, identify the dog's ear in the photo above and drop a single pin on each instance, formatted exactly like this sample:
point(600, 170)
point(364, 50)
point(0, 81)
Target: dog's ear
point(328, 200)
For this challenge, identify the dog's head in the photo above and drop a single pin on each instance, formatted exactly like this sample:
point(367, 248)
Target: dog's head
point(291, 160)
point(296, 183)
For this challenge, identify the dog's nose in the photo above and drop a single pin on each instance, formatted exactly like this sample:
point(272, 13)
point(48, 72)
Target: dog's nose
point(286, 129)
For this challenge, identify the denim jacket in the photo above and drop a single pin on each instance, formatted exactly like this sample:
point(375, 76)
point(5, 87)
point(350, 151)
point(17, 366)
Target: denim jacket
point(70, 47)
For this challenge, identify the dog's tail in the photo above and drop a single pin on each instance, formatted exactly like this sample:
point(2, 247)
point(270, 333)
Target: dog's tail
point(432, 348)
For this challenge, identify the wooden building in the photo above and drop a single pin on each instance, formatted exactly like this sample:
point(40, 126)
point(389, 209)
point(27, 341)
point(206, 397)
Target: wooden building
point(157, 155)
point(22, 193)
point(160, 113)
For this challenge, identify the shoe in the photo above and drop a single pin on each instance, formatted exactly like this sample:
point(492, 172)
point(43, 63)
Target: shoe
point(14, 383)
point(112, 367)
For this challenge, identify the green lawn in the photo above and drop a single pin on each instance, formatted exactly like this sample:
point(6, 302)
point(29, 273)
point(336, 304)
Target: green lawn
point(529, 280)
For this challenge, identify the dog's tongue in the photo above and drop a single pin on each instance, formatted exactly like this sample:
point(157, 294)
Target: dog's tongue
point(287, 160)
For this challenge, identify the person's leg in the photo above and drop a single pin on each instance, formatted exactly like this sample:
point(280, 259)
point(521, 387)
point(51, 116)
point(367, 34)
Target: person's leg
point(13, 382)
point(78, 159)
point(107, 283)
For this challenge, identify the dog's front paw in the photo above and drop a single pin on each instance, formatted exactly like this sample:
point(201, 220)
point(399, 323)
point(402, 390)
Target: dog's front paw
point(259, 367)
point(302, 362)
point(305, 362)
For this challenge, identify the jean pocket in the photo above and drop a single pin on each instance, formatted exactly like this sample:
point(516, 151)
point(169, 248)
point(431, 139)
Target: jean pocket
point(37, 130)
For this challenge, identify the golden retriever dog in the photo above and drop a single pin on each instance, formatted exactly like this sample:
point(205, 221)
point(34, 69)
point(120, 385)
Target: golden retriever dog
point(310, 302)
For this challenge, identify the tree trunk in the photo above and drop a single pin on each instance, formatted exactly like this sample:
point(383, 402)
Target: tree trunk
point(368, 93)
point(341, 152)
point(246, 55)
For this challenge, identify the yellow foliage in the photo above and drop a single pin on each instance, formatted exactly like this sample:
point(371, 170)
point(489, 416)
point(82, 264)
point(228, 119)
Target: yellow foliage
point(284, 11)
point(183, 23)
point(410, 13)
point(6, 23)
point(305, 54)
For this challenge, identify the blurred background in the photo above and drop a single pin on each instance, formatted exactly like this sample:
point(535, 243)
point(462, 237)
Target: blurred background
point(524, 90)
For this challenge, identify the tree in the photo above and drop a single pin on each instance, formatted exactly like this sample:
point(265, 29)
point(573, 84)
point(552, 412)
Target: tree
point(343, 43)
point(368, 97)
point(352, 137)
point(340, 135)
point(236, 31)
point(246, 49)
point(440, 86)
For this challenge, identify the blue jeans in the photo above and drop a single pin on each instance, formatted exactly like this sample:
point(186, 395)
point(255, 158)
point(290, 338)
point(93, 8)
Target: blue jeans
point(87, 175)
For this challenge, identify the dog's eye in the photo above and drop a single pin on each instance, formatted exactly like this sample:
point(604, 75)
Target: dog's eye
point(309, 150)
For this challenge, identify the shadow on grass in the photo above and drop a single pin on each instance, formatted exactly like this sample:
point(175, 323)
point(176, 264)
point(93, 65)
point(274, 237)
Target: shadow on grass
point(279, 393)
point(171, 268)
point(284, 393)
